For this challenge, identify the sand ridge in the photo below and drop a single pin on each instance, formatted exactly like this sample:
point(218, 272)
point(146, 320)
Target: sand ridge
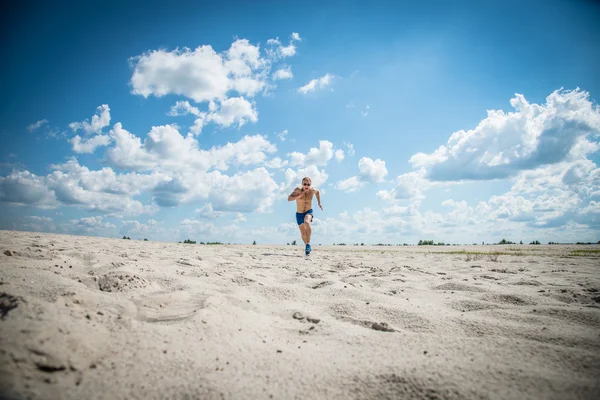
point(172, 320)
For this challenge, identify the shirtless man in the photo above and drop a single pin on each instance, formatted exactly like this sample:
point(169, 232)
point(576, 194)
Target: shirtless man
point(303, 197)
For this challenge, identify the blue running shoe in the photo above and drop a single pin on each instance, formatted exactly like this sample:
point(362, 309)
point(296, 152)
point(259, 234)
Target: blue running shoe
point(308, 249)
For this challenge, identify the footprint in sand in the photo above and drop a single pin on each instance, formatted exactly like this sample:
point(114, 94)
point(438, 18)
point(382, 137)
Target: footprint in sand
point(458, 287)
point(165, 307)
point(123, 281)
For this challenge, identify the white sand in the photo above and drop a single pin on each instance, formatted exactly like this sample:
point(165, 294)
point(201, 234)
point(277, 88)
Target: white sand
point(98, 318)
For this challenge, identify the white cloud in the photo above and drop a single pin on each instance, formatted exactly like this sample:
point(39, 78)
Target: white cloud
point(277, 51)
point(315, 156)
point(350, 150)
point(234, 110)
point(505, 143)
point(244, 192)
point(370, 171)
point(365, 111)
point(293, 178)
point(282, 135)
point(25, 188)
point(151, 229)
point(276, 163)
point(204, 75)
point(100, 120)
point(37, 125)
point(319, 83)
point(239, 217)
point(339, 155)
point(35, 223)
point(283, 73)
point(410, 186)
point(207, 211)
point(351, 184)
point(92, 222)
point(89, 145)
point(184, 108)
point(166, 148)
point(199, 74)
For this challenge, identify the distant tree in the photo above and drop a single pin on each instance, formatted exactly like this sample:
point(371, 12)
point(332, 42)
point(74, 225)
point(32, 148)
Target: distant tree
point(535, 242)
point(288, 243)
point(254, 242)
point(504, 241)
point(521, 242)
point(145, 240)
point(294, 243)
point(362, 244)
point(124, 237)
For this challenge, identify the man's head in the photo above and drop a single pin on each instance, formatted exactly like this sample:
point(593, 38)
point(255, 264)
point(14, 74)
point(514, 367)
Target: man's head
point(306, 182)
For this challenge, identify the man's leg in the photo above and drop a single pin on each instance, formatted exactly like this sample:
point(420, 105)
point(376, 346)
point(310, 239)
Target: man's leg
point(307, 227)
point(303, 233)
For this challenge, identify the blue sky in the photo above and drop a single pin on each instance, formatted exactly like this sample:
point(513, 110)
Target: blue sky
point(460, 123)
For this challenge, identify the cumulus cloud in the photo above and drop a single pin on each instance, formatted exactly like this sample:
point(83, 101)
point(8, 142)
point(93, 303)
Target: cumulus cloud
point(100, 120)
point(282, 135)
point(37, 125)
point(372, 171)
point(369, 171)
point(204, 75)
point(184, 108)
point(505, 143)
point(234, 111)
point(25, 188)
point(318, 83)
point(409, 186)
point(166, 148)
point(276, 163)
point(89, 146)
point(350, 150)
point(339, 155)
point(318, 157)
point(283, 73)
point(277, 50)
point(293, 178)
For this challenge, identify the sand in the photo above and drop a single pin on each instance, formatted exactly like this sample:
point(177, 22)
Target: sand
point(95, 318)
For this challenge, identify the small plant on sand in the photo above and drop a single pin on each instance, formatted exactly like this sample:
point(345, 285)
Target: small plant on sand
point(294, 243)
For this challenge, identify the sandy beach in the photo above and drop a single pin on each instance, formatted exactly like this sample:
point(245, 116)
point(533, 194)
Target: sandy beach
point(95, 318)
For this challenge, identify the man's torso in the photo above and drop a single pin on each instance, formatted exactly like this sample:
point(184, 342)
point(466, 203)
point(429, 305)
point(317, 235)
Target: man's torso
point(304, 202)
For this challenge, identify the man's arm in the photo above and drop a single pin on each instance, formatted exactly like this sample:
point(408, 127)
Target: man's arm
point(318, 194)
point(295, 194)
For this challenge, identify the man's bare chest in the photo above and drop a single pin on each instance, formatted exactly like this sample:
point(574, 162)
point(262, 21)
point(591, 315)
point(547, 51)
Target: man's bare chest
point(306, 196)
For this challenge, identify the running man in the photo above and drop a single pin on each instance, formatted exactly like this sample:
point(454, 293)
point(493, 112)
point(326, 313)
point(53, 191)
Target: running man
point(304, 197)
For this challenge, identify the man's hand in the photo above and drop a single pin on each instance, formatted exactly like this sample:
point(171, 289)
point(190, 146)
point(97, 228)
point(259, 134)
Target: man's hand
point(320, 206)
point(295, 194)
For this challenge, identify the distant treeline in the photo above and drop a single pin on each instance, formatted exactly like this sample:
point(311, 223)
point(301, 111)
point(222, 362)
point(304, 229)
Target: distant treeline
point(421, 243)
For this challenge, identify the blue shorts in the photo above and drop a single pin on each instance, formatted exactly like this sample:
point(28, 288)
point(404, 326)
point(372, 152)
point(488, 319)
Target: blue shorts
point(300, 216)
